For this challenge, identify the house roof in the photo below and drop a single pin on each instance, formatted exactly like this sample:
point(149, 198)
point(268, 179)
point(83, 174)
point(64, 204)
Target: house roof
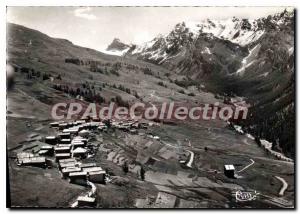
point(62, 155)
point(63, 145)
point(97, 172)
point(71, 169)
point(67, 160)
point(84, 165)
point(46, 147)
point(34, 160)
point(64, 134)
point(79, 138)
point(229, 167)
point(79, 150)
point(77, 174)
point(24, 155)
point(50, 137)
point(62, 148)
point(67, 164)
point(77, 143)
point(92, 169)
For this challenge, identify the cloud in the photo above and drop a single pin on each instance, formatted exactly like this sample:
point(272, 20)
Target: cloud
point(84, 12)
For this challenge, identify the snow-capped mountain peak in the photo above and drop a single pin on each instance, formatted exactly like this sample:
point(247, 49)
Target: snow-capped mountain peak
point(242, 32)
point(184, 34)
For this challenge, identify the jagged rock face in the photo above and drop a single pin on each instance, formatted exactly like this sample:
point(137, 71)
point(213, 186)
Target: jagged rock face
point(250, 58)
point(162, 48)
point(233, 49)
point(243, 32)
point(117, 45)
point(210, 56)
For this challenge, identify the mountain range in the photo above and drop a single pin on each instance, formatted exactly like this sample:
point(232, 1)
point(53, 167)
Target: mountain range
point(249, 58)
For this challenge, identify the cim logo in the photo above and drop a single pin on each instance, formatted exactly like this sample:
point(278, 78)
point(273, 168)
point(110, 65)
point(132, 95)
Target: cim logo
point(246, 196)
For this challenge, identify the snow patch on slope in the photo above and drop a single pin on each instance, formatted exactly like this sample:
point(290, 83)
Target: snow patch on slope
point(249, 60)
point(229, 29)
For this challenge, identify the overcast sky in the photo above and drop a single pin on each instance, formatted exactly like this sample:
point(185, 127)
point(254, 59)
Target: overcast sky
point(96, 27)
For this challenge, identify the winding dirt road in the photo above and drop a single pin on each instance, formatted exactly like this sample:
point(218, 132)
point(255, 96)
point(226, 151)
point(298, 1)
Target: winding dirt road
point(284, 185)
point(189, 164)
point(252, 162)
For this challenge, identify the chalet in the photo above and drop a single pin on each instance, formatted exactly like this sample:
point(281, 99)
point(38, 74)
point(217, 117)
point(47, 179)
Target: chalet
point(67, 164)
point(97, 176)
point(73, 130)
point(54, 124)
point(21, 156)
point(66, 171)
point(67, 160)
point(76, 140)
point(77, 144)
point(60, 156)
point(46, 150)
point(85, 165)
point(62, 149)
point(92, 169)
point(229, 171)
point(34, 161)
point(80, 139)
point(65, 141)
point(79, 152)
point(78, 177)
point(63, 145)
point(51, 140)
point(46, 147)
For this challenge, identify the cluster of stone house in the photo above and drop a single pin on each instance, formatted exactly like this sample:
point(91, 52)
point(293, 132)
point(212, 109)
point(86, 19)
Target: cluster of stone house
point(70, 146)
